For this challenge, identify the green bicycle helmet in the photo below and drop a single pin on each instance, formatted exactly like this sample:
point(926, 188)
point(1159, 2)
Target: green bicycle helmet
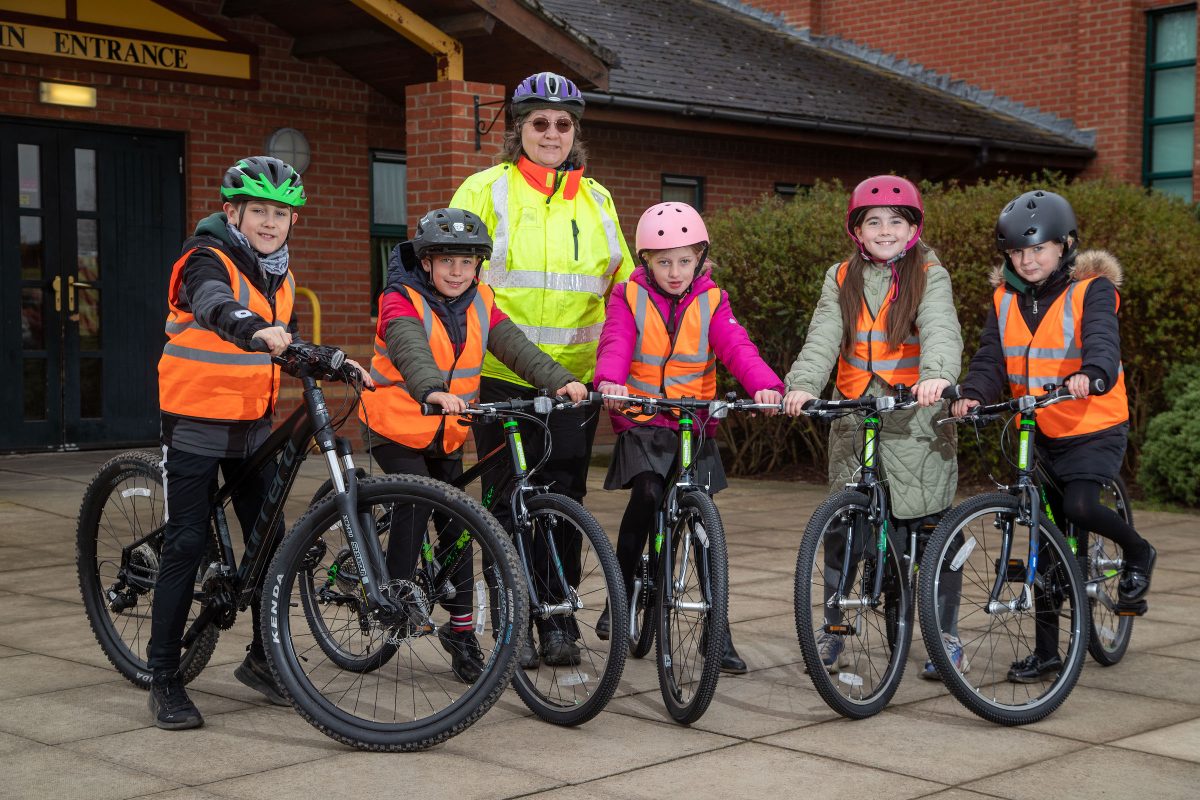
point(263, 178)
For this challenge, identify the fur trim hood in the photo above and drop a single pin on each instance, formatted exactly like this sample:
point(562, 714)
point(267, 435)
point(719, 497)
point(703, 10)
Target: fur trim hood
point(1088, 264)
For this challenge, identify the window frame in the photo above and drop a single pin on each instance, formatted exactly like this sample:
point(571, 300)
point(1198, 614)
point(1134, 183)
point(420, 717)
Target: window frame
point(695, 182)
point(1150, 123)
point(383, 236)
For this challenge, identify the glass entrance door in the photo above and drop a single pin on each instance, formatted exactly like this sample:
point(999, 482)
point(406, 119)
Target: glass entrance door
point(90, 222)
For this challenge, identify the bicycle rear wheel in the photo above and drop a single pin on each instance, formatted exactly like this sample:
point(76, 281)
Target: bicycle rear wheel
point(414, 699)
point(118, 542)
point(642, 611)
point(997, 636)
point(1101, 561)
point(692, 603)
point(575, 689)
point(864, 642)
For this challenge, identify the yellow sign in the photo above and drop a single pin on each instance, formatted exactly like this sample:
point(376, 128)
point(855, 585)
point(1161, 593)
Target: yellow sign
point(168, 43)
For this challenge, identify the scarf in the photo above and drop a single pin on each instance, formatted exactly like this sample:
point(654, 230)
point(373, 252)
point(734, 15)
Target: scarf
point(274, 264)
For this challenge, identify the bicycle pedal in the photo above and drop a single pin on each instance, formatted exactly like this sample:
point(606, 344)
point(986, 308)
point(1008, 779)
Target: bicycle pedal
point(1132, 609)
point(839, 630)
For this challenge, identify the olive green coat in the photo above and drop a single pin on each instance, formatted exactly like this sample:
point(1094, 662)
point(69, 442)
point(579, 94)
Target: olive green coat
point(919, 459)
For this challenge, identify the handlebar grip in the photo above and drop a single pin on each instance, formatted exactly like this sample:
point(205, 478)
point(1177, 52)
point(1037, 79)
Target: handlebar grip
point(431, 410)
point(259, 346)
point(1097, 386)
point(952, 392)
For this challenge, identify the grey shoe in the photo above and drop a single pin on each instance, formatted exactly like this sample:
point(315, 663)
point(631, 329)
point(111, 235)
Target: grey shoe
point(256, 673)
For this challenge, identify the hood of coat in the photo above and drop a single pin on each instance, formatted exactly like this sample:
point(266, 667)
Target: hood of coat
point(405, 270)
point(1088, 264)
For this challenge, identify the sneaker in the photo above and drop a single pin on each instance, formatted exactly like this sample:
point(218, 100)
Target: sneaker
point(558, 650)
point(832, 651)
point(958, 659)
point(256, 673)
point(1032, 668)
point(173, 710)
point(604, 624)
point(528, 657)
point(466, 657)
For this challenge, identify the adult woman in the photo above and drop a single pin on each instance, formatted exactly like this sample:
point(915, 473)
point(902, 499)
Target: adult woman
point(557, 252)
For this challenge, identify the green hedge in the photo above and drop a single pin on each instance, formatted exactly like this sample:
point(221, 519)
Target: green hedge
point(1170, 468)
point(773, 255)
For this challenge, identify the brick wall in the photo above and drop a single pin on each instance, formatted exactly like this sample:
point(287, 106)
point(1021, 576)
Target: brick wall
point(1080, 59)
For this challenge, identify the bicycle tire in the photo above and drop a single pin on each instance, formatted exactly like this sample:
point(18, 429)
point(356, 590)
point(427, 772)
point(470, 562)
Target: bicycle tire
point(575, 693)
point(351, 706)
point(969, 540)
point(123, 503)
point(870, 665)
point(691, 642)
point(1100, 561)
point(642, 608)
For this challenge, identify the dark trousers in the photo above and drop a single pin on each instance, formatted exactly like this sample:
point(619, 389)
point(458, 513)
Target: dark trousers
point(645, 497)
point(572, 434)
point(409, 524)
point(191, 480)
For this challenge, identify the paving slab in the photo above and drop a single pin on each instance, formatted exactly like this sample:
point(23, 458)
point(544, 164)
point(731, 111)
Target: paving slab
point(1147, 675)
point(33, 674)
point(1097, 771)
point(1180, 741)
point(1189, 650)
point(52, 772)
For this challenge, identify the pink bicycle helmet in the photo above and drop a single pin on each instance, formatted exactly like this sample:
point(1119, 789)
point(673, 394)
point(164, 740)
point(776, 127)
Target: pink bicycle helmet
point(668, 225)
point(889, 191)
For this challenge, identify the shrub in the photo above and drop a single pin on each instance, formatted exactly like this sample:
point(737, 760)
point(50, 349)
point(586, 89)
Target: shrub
point(1170, 468)
point(773, 256)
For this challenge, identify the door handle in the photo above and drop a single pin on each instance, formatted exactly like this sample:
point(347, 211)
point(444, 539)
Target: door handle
point(72, 283)
point(56, 284)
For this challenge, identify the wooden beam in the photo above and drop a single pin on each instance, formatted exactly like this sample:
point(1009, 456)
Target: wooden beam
point(322, 43)
point(446, 49)
point(466, 26)
point(246, 8)
point(559, 44)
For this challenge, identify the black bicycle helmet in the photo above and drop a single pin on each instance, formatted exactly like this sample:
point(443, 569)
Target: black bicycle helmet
point(263, 178)
point(1033, 218)
point(452, 230)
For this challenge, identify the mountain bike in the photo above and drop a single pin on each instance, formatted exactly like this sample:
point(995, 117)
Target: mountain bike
point(1022, 590)
point(854, 576)
point(686, 573)
point(569, 567)
point(354, 649)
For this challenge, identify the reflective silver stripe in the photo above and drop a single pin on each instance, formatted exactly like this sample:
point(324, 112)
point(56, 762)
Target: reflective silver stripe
point(675, 380)
point(178, 327)
point(206, 357)
point(495, 275)
point(881, 336)
point(380, 349)
point(898, 363)
point(377, 376)
point(701, 354)
point(533, 279)
point(541, 334)
point(639, 321)
point(641, 385)
point(1069, 348)
point(858, 363)
point(485, 321)
point(611, 233)
point(243, 296)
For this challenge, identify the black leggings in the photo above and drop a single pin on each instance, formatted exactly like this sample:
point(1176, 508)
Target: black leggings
point(1080, 503)
point(409, 524)
point(644, 500)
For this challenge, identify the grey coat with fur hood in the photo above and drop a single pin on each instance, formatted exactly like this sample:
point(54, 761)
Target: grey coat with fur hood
point(919, 460)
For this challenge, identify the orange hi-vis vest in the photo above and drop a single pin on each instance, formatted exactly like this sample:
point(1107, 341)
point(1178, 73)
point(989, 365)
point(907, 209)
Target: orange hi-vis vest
point(392, 412)
point(1053, 354)
point(202, 375)
point(872, 356)
point(664, 367)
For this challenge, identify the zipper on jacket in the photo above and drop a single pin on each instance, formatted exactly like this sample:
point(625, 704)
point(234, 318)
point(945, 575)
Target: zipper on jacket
point(558, 179)
point(575, 236)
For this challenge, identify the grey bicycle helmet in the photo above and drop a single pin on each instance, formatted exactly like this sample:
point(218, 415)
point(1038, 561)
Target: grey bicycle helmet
point(452, 230)
point(1033, 218)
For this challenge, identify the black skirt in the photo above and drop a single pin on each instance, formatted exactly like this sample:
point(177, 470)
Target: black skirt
point(1090, 457)
point(653, 448)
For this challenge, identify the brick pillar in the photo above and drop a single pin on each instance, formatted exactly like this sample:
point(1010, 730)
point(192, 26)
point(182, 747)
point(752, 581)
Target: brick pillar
point(440, 140)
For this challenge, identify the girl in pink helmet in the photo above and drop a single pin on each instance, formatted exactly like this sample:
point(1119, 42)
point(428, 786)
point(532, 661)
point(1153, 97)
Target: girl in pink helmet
point(670, 312)
point(886, 316)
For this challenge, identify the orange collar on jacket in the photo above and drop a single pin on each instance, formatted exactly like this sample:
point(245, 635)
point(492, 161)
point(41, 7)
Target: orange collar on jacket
point(546, 179)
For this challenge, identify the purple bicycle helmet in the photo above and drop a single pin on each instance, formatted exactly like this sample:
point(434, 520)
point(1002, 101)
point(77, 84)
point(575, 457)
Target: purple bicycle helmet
point(547, 90)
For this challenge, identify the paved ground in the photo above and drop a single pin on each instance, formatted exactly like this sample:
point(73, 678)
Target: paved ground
point(71, 727)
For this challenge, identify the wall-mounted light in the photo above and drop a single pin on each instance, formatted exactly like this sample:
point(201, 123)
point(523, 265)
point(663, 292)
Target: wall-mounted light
point(290, 146)
point(67, 94)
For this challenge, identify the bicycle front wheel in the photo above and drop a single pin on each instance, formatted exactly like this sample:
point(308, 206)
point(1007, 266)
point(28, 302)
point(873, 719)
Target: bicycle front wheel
point(1023, 649)
point(421, 694)
point(1101, 561)
point(574, 679)
point(855, 644)
point(118, 544)
point(693, 597)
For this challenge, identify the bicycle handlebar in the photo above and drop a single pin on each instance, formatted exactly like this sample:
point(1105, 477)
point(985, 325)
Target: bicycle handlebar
point(983, 414)
point(304, 360)
point(538, 405)
point(718, 409)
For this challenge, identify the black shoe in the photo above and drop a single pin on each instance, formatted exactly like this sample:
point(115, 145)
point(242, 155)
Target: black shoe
point(173, 710)
point(558, 650)
point(1033, 668)
point(466, 657)
point(256, 673)
point(528, 656)
point(731, 662)
point(604, 625)
point(1135, 581)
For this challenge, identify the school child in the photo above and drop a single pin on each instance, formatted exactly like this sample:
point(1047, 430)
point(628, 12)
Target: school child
point(436, 321)
point(1047, 291)
point(664, 330)
point(886, 316)
point(231, 293)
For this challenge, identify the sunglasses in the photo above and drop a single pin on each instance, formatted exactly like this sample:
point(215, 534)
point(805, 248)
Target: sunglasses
point(562, 125)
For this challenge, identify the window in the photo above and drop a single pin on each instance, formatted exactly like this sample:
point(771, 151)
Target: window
point(389, 210)
point(1169, 142)
point(790, 191)
point(683, 189)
